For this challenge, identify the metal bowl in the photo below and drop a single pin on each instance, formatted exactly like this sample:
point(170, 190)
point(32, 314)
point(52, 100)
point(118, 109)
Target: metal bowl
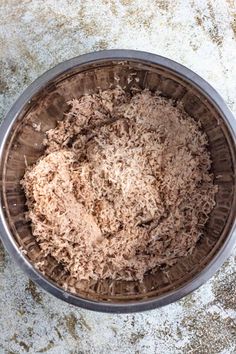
point(43, 103)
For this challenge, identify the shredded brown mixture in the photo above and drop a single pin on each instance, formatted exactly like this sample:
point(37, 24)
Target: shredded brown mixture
point(124, 186)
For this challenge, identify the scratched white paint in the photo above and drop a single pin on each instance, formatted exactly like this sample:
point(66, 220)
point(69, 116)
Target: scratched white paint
point(36, 35)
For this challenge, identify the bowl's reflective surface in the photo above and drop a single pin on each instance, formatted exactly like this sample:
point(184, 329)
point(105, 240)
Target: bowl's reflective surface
point(39, 109)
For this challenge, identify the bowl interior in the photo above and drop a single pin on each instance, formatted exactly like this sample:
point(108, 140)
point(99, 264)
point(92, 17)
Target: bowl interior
point(25, 144)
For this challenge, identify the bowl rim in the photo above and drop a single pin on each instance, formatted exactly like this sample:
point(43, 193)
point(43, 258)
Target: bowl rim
point(6, 236)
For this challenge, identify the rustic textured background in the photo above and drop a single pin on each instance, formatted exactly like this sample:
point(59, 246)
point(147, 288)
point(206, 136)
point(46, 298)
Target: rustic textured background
point(34, 36)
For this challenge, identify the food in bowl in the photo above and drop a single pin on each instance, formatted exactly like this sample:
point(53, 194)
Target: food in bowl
point(124, 186)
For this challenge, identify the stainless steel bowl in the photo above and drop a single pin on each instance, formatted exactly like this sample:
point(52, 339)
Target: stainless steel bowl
point(44, 102)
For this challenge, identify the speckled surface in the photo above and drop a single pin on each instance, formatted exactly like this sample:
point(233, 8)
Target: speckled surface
point(34, 36)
